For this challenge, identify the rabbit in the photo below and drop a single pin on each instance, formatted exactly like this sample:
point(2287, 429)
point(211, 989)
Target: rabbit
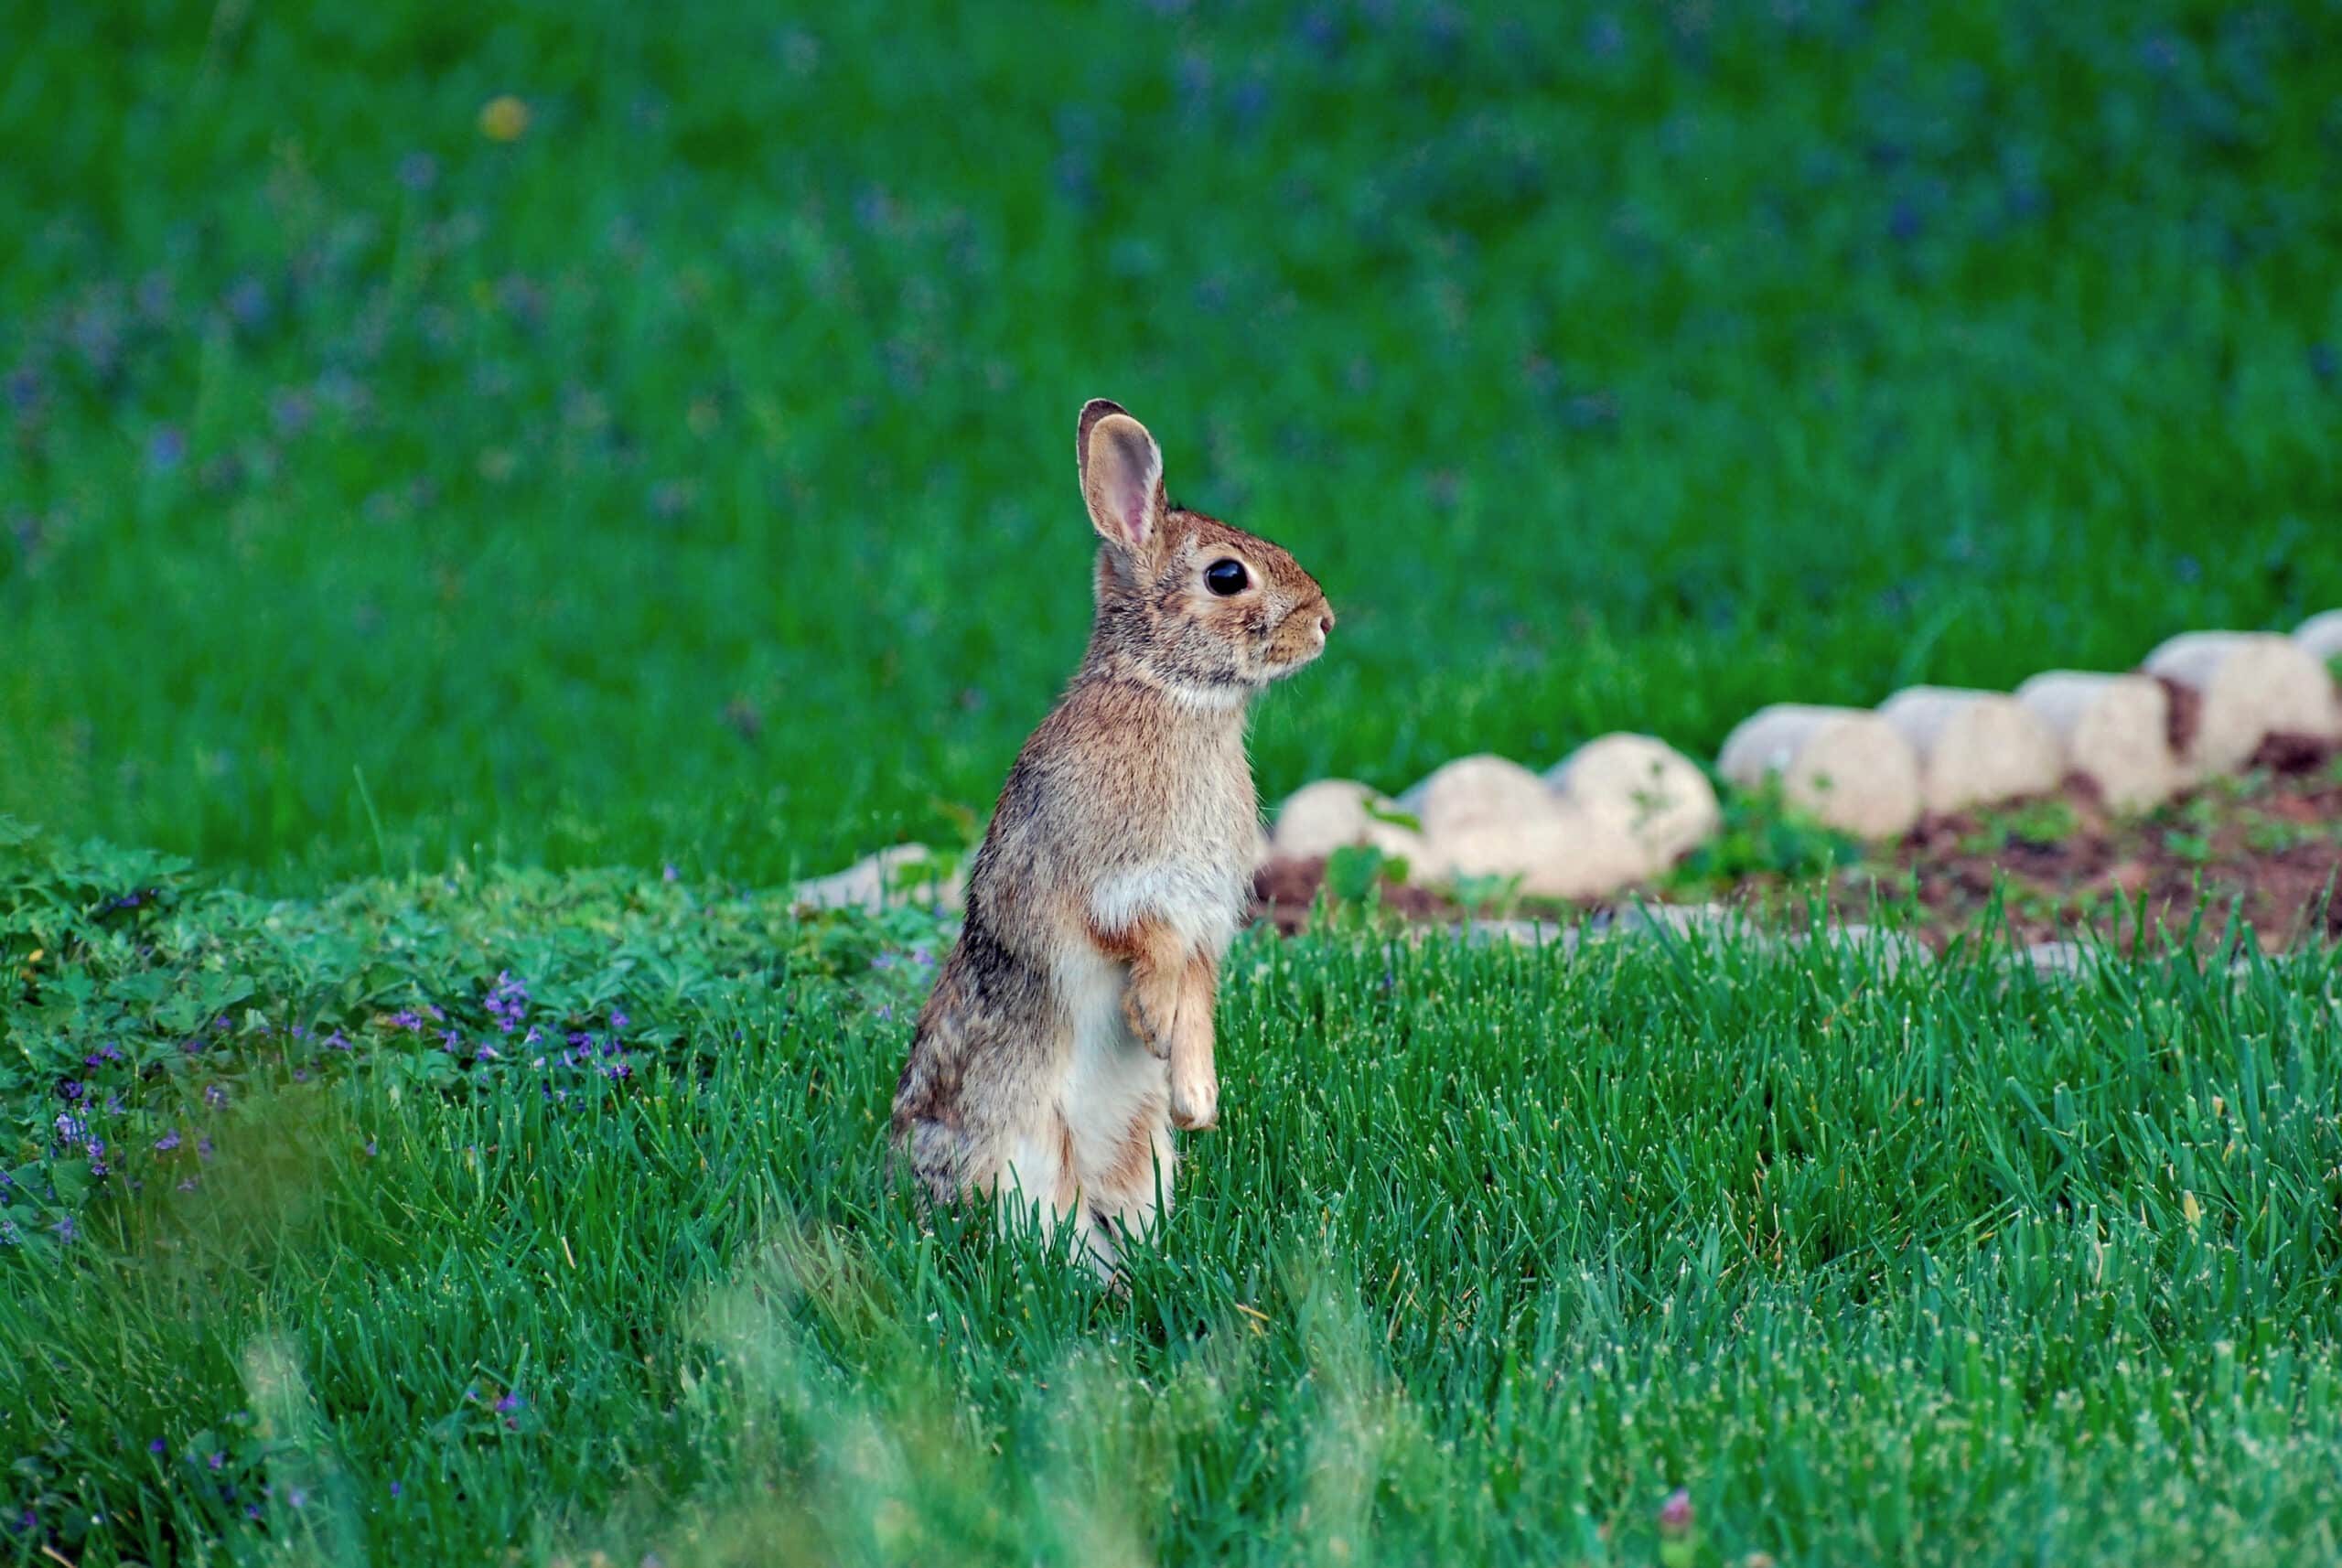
point(1070, 1029)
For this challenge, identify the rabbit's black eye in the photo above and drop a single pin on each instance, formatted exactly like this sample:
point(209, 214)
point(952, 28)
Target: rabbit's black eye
point(1226, 577)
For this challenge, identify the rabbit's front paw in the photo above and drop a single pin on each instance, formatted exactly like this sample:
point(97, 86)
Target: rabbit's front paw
point(1195, 1100)
point(1152, 1024)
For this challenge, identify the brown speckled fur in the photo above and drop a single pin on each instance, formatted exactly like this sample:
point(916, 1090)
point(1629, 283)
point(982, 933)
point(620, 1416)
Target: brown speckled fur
point(1070, 1029)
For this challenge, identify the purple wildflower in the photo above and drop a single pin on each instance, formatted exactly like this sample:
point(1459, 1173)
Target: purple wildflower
point(218, 1459)
point(167, 448)
point(370, 1148)
point(167, 1142)
point(618, 1020)
point(214, 1096)
point(203, 1147)
point(508, 1404)
point(669, 874)
point(394, 1489)
point(73, 1088)
point(155, 1445)
point(66, 1229)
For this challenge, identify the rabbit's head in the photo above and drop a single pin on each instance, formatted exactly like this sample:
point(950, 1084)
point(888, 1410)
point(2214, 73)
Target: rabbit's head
point(1210, 611)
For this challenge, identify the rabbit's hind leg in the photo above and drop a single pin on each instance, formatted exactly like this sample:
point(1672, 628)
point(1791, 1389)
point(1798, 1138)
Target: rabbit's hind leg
point(1132, 1189)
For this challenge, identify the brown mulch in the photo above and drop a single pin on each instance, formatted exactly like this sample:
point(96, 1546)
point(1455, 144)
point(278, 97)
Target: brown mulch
point(2266, 846)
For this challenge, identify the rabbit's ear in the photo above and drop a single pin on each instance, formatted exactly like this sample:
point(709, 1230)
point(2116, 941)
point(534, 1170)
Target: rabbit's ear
point(1122, 476)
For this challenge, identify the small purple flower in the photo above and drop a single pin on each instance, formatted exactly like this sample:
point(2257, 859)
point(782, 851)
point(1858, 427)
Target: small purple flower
point(9, 1235)
point(508, 1404)
point(370, 1148)
point(167, 448)
point(885, 1014)
point(167, 1142)
point(67, 1231)
point(214, 1096)
point(218, 1459)
point(394, 1489)
point(73, 1088)
point(618, 1020)
point(1675, 1514)
point(669, 874)
point(203, 1147)
point(187, 1184)
point(338, 1041)
point(406, 1019)
point(155, 1445)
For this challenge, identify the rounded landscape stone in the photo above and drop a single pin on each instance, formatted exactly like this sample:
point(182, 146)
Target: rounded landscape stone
point(2321, 635)
point(2114, 730)
point(1846, 766)
point(1975, 749)
point(1333, 814)
point(1486, 816)
point(2252, 684)
point(883, 880)
point(1644, 791)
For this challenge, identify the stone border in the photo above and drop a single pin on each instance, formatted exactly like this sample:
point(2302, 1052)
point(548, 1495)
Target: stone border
point(1622, 808)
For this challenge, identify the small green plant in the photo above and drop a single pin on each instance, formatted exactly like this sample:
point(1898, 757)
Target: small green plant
point(1763, 835)
point(1392, 815)
point(1353, 872)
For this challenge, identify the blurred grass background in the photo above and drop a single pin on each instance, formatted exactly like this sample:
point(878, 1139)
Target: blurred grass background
point(687, 478)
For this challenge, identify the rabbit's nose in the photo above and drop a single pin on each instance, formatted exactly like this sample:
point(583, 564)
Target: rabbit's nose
point(1325, 621)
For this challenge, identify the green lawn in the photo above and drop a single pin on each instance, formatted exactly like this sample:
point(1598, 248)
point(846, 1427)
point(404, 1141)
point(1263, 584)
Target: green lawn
point(689, 481)
point(499, 564)
point(1493, 1250)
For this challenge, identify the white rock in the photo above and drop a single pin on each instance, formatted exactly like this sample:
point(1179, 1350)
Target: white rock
point(1847, 766)
point(1318, 819)
point(2321, 635)
point(877, 882)
point(2112, 729)
point(2253, 684)
point(1476, 792)
point(1644, 791)
point(1975, 749)
point(1484, 816)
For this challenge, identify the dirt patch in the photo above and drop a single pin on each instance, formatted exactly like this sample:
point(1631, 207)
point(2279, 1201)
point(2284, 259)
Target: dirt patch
point(2266, 846)
point(1284, 891)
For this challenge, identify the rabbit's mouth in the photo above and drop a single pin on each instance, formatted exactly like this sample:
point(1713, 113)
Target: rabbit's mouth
point(1299, 639)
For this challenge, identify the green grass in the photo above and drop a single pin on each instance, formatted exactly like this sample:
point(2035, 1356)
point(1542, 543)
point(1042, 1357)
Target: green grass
point(688, 481)
point(1494, 1249)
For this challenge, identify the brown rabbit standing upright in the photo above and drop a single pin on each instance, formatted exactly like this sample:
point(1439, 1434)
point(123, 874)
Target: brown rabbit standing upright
point(1071, 1027)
